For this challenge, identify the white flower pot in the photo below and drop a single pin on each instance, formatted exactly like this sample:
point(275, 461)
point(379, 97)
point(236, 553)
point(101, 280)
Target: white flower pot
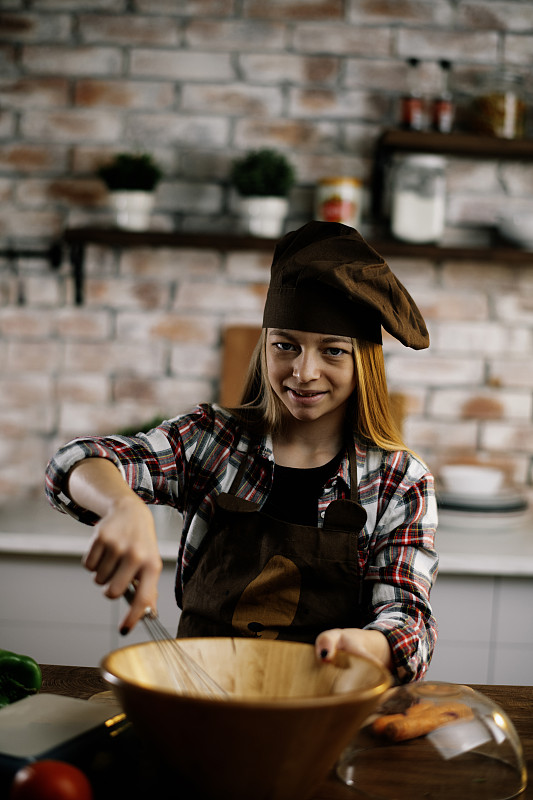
point(263, 216)
point(132, 209)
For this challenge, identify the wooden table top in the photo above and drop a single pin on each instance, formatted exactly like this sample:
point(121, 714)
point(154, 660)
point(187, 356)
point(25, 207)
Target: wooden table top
point(516, 701)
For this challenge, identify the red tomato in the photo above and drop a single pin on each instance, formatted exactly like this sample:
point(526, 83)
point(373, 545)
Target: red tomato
point(50, 780)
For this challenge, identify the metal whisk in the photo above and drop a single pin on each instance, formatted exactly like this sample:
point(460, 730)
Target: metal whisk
point(187, 675)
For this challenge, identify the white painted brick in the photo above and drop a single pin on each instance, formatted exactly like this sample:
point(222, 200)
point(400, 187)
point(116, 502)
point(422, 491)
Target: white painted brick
point(190, 8)
point(17, 223)
point(187, 196)
point(268, 68)
point(124, 94)
point(21, 422)
point(500, 15)
point(321, 103)
point(167, 327)
point(215, 298)
point(183, 65)
point(165, 128)
point(125, 293)
point(437, 304)
point(515, 309)
point(487, 338)
point(79, 387)
point(170, 264)
point(314, 166)
point(25, 323)
point(472, 177)
point(79, 60)
point(431, 370)
point(511, 372)
point(115, 358)
point(518, 49)
point(33, 356)
point(88, 5)
point(434, 436)
point(195, 361)
point(415, 274)
point(233, 99)
point(36, 92)
point(25, 390)
point(41, 291)
point(507, 437)
point(249, 266)
point(345, 39)
point(464, 209)
point(236, 35)
point(481, 46)
point(131, 29)
point(516, 179)
point(71, 125)
point(482, 404)
point(82, 324)
point(314, 136)
point(425, 13)
point(465, 274)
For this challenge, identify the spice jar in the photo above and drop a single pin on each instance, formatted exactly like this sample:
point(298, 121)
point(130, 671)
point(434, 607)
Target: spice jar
point(339, 200)
point(418, 198)
point(500, 111)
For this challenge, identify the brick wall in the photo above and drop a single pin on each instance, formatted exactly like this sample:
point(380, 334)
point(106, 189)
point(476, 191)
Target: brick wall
point(198, 82)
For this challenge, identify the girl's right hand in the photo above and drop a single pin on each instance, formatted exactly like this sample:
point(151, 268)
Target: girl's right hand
point(124, 549)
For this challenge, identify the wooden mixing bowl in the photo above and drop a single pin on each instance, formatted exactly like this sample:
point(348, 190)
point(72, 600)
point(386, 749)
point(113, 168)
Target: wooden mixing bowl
point(277, 735)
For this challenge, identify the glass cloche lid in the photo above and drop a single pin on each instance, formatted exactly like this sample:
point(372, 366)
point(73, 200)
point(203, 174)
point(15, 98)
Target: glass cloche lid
point(431, 740)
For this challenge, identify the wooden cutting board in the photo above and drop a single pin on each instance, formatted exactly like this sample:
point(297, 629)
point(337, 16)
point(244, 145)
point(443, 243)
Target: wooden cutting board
point(238, 345)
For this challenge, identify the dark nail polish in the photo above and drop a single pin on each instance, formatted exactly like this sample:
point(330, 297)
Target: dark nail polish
point(124, 630)
point(324, 653)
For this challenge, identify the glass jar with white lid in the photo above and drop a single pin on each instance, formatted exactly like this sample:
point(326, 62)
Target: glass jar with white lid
point(418, 198)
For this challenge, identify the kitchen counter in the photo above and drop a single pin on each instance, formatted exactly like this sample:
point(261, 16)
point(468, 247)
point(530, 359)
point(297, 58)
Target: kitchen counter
point(34, 528)
point(516, 701)
point(502, 551)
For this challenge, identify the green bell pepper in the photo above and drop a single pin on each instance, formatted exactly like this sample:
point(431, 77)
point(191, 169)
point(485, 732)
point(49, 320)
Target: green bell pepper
point(19, 677)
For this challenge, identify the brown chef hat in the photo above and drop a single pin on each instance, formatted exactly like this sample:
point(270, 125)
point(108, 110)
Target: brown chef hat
point(326, 279)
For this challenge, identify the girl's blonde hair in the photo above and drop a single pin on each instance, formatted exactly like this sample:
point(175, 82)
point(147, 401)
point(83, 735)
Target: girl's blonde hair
point(369, 414)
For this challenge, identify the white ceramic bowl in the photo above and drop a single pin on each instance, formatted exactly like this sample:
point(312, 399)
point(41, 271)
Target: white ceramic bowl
point(470, 479)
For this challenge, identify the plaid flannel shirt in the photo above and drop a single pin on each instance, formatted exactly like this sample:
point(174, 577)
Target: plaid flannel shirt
point(187, 461)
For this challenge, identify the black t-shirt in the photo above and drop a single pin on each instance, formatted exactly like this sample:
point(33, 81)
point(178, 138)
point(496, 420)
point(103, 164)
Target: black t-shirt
point(295, 492)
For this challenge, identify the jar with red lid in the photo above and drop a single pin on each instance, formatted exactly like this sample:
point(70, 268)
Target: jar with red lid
point(339, 200)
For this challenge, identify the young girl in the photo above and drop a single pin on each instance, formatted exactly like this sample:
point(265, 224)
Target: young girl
point(305, 517)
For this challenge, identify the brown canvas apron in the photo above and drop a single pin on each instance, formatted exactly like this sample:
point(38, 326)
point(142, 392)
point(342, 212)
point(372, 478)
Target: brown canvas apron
point(259, 576)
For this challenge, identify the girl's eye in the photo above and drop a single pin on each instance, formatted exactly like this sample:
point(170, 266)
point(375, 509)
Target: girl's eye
point(336, 351)
point(285, 347)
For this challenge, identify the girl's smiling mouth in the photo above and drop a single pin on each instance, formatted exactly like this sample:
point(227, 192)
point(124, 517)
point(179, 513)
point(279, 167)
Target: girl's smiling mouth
point(304, 396)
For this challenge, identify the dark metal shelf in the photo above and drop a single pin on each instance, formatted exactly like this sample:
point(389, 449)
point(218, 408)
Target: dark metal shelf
point(76, 240)
point(459, 144)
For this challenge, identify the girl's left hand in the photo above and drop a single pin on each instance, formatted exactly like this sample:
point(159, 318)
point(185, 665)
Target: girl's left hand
point(370, 644)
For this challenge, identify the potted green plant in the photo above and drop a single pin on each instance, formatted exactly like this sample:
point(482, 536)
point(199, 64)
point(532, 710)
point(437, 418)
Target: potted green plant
point(263, 180)
point(131, 179)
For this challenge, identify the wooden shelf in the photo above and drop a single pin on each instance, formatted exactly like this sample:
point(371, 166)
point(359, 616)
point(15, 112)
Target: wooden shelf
point(459, 144)
point(76, 240)
point(499, 251)
point(118, 237)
